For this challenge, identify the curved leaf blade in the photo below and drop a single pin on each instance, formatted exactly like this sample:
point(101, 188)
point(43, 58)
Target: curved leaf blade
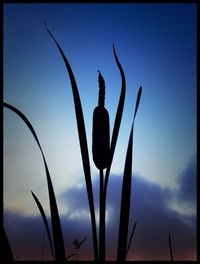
point(7, 251)
point(138, 101)
point(118, 118)
point(44, 220)
point(56, 226)
point(131, 237)
point(70, 256)
point(170, 247)
point(126, 193)
point(83, 143)
point(125, 202)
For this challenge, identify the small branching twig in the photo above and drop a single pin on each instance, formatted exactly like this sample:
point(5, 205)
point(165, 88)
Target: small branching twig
point(77, 244)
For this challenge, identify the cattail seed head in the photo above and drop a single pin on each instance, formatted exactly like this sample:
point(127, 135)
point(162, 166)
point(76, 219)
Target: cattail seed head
point(101, 130)
point(101, 101)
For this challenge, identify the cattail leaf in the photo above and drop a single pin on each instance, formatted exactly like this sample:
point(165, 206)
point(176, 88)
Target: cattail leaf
point(83, 143)
point(44, 220)
point(6, 250)
point(138, 100)
point(125, 202)
point(56, 226)
point(117, 122)
point(126, 193)
point(71, 255)
point(170, 247)
point(131, 237)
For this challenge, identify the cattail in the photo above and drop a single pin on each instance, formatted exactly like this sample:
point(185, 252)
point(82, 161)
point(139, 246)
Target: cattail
point(101, 129)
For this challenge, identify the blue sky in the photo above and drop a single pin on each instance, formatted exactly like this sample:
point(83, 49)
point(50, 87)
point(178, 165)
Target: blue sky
point(156, 45)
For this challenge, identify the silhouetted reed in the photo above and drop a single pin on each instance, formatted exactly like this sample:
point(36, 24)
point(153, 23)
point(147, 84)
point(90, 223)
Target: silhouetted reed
point(6, 248)
point(100, 151)
point(103, 152)
point(55, 219)
point(170, 247)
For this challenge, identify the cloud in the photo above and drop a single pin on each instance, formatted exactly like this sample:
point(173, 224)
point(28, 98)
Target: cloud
point(151, 206)
point(188, 182)
point(154, 220)
point(27, 236)
point(184, 200)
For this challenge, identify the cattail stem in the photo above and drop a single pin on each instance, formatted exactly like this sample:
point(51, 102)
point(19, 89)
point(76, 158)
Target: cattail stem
point(101, 220)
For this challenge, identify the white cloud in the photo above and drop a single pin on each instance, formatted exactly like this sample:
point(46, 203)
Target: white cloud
point(184, 208)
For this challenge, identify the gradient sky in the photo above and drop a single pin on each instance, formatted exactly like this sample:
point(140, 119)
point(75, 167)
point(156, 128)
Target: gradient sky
point(156, 45)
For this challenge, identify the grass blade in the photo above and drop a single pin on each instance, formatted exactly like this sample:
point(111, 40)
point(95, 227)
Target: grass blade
point(138, 101)
point(44, 220)
point(71, 255)
point(115, 133)
point(126, 193)
point(56, 226)
point(83, 144)
point(7, 252)
point(43, 247)
point(125, 202)
point(117, 122)
point(170, 247)
point(131, 237)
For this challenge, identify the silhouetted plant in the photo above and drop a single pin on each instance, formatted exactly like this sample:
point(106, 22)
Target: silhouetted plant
point(44, 220)
point(77, 244)
point(100, 151)
point(6, 248)
point(55, 219)
point(126, 193)
point(170, 247)
point(102, 159)
point(103, 152)
point(83, 144)
point(131, 237)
